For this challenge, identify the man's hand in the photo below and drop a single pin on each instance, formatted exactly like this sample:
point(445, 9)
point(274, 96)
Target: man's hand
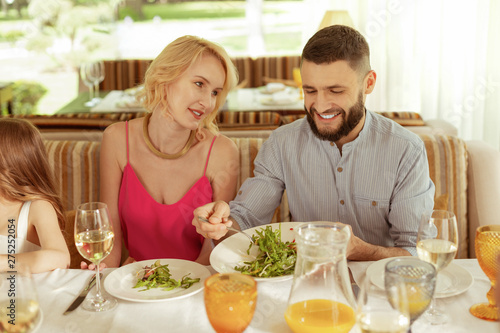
point(357, 249)
point(218, 215)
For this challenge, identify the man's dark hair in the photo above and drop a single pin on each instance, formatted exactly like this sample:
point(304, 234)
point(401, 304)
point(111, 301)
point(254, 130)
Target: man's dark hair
point(338, 42)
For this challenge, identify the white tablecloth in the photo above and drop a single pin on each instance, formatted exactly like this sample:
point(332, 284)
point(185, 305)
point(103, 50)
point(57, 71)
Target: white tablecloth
point(57, 289)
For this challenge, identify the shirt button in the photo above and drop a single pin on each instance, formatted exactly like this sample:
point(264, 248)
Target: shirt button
point(339, 169)
point(341, 202)
point(374, 203)
point(332, 144)
point(240, 192)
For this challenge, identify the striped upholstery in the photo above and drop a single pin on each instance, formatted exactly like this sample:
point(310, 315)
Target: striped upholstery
point(404, 118)
point(248, 148)
point(76, 168)
point(448, 170)
point(127, 73)
point(248, 120)
point(279, 67)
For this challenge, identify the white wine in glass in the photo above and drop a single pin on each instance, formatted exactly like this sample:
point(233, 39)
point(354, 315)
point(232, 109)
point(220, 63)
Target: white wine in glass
point(437, 243)
point(94, 240)
point(381, 311)
point(19, 308)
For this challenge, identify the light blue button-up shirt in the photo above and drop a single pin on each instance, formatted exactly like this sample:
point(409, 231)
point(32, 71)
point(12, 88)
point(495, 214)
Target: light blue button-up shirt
point(380, 185)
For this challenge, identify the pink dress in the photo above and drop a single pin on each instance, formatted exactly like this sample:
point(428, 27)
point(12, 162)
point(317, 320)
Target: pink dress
point(152, 230)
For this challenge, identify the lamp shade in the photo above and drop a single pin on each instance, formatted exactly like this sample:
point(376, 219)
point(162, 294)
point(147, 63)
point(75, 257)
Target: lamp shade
point(332, 17)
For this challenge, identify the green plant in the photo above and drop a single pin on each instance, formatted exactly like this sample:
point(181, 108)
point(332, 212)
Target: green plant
point(11, 36)
point(26, 95)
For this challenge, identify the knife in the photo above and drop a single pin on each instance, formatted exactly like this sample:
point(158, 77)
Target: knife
point(82, 295)
point(354, 285)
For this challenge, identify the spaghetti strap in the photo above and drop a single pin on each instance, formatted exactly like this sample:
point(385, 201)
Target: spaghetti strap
point(208, 157)
point(126, 138)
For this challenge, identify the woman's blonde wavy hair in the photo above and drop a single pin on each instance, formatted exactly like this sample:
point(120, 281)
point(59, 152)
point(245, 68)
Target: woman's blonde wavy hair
point(173, 61)
point(25, 173)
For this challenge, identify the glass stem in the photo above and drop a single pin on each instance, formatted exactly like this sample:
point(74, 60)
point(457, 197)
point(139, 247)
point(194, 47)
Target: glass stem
point(97, 89)
point(98, 296)
point(91, 92)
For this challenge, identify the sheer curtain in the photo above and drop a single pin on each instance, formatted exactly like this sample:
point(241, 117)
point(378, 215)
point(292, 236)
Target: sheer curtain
point(436, 57)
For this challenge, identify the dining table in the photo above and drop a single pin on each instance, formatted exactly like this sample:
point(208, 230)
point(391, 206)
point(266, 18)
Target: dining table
point(285, 101)
point(57, 289)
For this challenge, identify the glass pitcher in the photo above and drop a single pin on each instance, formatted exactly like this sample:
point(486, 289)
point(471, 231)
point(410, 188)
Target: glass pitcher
point(321, 299)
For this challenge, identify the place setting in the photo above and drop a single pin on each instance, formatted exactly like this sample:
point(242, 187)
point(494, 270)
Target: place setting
point(276, 94)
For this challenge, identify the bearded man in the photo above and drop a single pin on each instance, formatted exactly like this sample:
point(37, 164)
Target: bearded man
point(341, 163)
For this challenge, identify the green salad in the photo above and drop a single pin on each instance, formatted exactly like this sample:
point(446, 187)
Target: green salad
point(158, 276)
point(275, 257)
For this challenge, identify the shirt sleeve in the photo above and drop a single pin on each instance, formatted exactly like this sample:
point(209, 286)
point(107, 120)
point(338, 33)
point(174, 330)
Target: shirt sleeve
point(412, 196)
point(259, 196)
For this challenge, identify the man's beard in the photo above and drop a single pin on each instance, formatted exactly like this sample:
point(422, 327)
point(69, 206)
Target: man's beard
point(356, 113)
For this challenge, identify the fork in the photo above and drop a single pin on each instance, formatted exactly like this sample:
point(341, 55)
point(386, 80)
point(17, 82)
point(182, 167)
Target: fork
point(229, 228)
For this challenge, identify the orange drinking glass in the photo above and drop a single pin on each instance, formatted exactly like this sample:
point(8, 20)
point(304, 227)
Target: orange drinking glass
point(230, 301)
point(487, 245)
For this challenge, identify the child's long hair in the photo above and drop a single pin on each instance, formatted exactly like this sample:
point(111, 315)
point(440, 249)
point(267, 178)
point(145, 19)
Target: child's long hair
point(25, 173)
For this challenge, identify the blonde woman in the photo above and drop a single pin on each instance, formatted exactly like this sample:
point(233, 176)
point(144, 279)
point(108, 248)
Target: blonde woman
point(31, 213)
point(156, 170)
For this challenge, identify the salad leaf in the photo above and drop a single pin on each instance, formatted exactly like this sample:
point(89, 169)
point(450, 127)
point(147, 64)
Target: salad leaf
point(158, 276)
point(275, 257)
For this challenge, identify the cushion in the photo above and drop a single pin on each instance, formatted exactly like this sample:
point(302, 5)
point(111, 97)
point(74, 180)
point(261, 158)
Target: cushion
point(404, 118)
point(248, 149)
point(76, 168)
point(277, 67)
point(248, 120)
point(447, 157)
point(69, 237)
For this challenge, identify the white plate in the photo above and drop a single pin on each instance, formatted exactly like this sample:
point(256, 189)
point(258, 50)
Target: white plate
point(120, 282)
point(271, 101)
point(232, 251)
point(452, 280)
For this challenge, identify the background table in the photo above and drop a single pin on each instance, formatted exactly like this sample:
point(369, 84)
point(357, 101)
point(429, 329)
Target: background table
point(57, 289)
point(245, 99)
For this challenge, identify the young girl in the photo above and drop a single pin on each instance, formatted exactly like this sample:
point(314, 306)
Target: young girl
point(31, 215)
point(155, 170)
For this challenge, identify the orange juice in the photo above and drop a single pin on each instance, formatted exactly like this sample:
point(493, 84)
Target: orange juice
point(230, 303)
point(320, 316)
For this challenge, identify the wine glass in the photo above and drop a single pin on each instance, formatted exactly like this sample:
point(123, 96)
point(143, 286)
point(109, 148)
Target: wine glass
point(437, 243)
point(94, 240)
point(19, 308)
point(230, 301)
point(98, 75)
point(383, 311)
point(487, 246)
point(419, 278)
point(88, 80)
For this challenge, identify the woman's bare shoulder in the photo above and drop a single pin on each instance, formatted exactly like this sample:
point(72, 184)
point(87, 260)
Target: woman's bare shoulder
point(224, 147)
point(117, 131)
